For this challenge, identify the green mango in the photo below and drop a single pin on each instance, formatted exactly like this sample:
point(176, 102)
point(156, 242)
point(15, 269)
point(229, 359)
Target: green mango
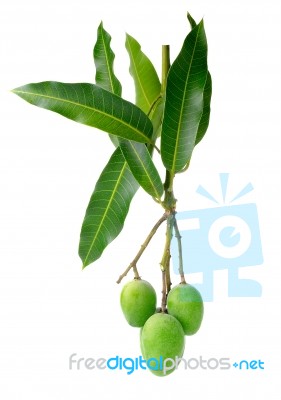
point(185, 303)
point(138, 302)
point(162, 343)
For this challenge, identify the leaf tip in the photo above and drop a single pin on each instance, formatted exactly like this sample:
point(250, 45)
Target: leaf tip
point(13, 90)
point(84, 265)
point(132, 40)
point(128, 38)
point(191, 20)
point(16, 91)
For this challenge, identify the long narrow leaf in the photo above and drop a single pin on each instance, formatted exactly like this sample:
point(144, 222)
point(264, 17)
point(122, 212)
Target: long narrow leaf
point(90, 105)
point(204, 121)
point(104, 60)
point(147, 84)
point(107, 209)
point(142, 167)
point(184, 101)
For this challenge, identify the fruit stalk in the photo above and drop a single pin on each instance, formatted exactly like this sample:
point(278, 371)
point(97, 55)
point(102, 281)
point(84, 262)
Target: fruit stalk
point(136, 272)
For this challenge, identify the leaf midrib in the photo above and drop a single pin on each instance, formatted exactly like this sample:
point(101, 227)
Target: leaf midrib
point(88, 108)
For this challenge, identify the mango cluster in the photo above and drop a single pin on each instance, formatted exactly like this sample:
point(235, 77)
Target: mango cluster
point(162, 333)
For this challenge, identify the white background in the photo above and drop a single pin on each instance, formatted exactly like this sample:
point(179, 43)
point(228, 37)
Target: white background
point(49, 309)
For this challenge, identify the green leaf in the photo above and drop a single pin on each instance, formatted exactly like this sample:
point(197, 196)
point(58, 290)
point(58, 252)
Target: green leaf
point(205, 118)
point(142, 167)
point(104, 60)
point(184, 101)
point(147, 84)
point(90, 105)
point(204, 121)
point(107, 209)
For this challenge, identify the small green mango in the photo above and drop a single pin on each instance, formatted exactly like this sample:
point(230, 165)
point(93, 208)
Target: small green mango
point(162, 338)
point(185, 303)
point(138, 302)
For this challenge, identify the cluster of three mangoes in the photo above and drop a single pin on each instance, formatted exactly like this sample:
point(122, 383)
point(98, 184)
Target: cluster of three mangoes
point(162, 331)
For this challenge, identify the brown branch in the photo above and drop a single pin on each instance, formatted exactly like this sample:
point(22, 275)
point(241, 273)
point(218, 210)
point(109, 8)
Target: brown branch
point(143, 246)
